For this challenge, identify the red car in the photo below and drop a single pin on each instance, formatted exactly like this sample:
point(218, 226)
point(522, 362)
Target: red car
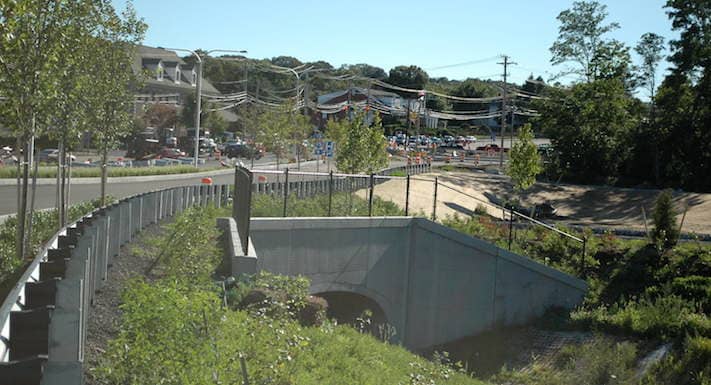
point(173, 153)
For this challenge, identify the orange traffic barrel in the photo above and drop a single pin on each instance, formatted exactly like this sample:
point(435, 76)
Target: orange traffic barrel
point(206, 180)
point(262, 178)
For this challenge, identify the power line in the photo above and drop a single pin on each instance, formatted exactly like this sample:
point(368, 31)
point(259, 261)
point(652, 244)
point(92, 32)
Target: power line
point(466, 63)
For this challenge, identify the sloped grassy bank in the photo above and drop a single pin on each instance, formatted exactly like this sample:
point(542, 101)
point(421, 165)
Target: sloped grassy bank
point(181, 327)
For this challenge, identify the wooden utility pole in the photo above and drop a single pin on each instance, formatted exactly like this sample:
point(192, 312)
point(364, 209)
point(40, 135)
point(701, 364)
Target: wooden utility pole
point(504, 111)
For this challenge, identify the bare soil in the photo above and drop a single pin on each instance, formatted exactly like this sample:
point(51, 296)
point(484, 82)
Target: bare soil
point(105, 314)
point(460, 192)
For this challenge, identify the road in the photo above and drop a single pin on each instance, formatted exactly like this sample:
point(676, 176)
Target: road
point(46, 194)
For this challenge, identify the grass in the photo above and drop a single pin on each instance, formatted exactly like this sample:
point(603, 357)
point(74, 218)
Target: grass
point(95, 172)
point(45, 224)
point(342, 204)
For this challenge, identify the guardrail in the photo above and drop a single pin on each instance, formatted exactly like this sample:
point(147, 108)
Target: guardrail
point(43, 320)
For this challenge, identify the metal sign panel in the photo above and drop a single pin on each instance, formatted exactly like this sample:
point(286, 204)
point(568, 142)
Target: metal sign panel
point(241, 204)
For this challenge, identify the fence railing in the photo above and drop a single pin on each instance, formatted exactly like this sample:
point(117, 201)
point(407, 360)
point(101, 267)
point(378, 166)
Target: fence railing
point(365, 195)
point(43, 320)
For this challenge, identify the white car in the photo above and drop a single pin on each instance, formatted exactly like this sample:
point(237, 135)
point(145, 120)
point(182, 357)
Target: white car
point(471, 138)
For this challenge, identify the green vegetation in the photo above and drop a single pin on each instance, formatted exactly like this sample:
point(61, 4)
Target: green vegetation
point(638, 291)
point(180, 324)
point(666, 230)
point(46, 224)
point(95, 172)
point(599, 362)
point(361, 145)
point(525, 163)
point(343, 204)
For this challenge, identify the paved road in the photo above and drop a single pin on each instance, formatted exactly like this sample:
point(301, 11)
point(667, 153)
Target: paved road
point(46, 194)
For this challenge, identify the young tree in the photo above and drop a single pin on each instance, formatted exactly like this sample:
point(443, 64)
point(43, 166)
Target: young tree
point(34, 36)
point(362, 146)
point(111, 95)
point(666, 232)
point(525, 162)
point(580, 37)
point(650, 48)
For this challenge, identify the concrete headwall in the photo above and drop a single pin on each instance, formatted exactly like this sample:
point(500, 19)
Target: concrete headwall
point(433, 283)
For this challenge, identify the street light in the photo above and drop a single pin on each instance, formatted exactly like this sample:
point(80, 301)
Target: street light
point(198, 91)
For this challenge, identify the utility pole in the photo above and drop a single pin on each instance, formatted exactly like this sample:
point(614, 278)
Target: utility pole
point(506, 64)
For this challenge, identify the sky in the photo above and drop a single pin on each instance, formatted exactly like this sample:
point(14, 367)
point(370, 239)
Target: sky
point(426, 33)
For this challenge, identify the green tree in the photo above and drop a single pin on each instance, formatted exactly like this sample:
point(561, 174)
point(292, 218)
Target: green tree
point(683, 102)
point(360, 146)
point(665, 232)
point(412, 77)
point(580, 37)
point(525, 162)
point(589, 126)
point(111, 94)
point(650, 48)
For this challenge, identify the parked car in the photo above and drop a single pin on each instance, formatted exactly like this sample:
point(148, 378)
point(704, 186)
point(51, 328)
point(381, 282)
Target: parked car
point(491, 147)
point(50, 155)
point(174, 153)
point(241, 150)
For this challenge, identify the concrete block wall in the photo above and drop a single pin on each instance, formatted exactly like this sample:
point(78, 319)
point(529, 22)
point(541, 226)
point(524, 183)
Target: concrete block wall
point(433, 284)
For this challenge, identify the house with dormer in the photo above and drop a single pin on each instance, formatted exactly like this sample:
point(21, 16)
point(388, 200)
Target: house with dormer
point(166, 77)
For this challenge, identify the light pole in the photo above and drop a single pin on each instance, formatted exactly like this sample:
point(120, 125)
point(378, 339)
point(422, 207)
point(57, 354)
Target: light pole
point(198, 91)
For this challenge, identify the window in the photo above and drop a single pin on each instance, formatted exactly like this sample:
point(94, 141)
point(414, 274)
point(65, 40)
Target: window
point(177, 74)
point(159, 71)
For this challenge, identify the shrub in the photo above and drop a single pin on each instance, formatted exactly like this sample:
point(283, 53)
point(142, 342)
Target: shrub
point(665, 232)
point(667, 317)
point(690, 366)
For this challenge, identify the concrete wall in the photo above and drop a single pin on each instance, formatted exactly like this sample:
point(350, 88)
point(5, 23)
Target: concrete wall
point(433, 284)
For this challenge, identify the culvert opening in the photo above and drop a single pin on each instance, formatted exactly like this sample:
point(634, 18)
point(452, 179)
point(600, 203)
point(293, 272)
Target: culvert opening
point(358, 311)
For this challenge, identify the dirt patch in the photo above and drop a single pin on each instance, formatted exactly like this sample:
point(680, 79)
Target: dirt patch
point(105, 314)
point(460, 192)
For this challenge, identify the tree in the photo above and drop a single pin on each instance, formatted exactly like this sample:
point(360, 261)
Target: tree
point(580, 37)
point(525, 162)
point(362, 145)
point(683, 102)
point(473, 88)
point(589, 126)
point(161, 117)
point(111, 95)
point(412, 77)
point(365, 70)
point(649, 47)
point(666, 232)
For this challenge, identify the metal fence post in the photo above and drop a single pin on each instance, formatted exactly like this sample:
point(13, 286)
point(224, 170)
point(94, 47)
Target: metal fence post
point(510, 226)
point(407, 195)
point(370, 198)
point(286, 190)
point(330, 191)
point(434, 203)
point(582, 258)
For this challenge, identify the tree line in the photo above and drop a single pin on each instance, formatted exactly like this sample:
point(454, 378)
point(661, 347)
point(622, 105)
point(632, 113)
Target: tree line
point(65, 69)
point(601, 132)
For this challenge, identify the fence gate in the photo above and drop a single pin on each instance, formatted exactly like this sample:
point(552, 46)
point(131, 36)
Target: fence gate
point(241, 203)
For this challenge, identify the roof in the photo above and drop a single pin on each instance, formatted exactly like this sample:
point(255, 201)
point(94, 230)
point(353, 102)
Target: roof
point(149, 57)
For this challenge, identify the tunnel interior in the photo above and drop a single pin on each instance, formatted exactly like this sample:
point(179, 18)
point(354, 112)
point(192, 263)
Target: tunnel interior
point(347, 308)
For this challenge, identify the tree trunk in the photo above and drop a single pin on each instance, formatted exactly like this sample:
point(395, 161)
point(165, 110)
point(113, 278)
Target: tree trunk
point(22, 209)
point(69, 187)
point(104, 175)
point(58, 182)
point(62, 189)
point(35, 168)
